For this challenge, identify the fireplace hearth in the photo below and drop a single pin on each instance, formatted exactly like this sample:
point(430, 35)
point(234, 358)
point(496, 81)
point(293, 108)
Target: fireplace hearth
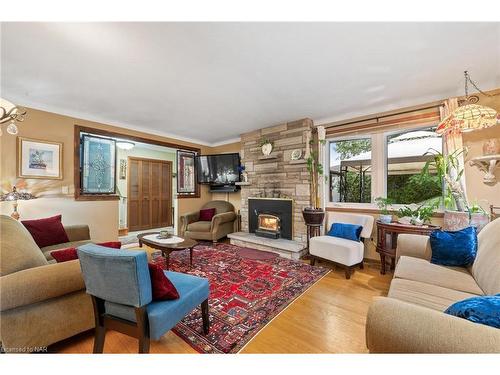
point(271, 217)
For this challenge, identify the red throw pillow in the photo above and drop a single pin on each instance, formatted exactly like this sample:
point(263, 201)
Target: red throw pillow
point(112, 244)
point(207, 214)
point(71, 253)
point(162, 287)
point(47, 232)
point(64, 255)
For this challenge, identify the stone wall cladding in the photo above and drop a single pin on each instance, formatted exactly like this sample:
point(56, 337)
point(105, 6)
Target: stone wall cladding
point(277, 175)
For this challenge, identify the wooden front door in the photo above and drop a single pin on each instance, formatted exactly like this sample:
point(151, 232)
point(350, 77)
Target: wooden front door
point(149, 193)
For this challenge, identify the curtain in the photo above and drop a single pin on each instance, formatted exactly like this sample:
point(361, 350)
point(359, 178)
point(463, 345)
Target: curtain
point(453, 142)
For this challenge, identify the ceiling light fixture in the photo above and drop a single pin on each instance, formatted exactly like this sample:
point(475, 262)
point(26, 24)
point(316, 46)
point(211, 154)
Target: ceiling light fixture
point(469, 116)
point(10, 113)
point(125, 145)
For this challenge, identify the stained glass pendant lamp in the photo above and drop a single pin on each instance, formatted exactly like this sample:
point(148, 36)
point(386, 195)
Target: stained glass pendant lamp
point(469, 116)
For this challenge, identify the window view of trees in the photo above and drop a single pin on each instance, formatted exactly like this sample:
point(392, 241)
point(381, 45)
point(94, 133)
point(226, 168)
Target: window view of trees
point(350, 170)
point(406, 183)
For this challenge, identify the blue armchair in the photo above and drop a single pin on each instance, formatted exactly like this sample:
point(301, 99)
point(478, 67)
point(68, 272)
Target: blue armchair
point(120, 286)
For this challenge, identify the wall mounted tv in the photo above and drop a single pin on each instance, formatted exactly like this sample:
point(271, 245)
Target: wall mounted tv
point(221, 169)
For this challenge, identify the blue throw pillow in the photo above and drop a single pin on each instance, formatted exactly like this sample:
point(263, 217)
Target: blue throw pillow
point(481, 309)
point(454, 248)
point(348, 231)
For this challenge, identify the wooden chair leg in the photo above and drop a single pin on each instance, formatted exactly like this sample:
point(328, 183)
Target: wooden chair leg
point(348, 271)
point(313, 261)
point(361, 266)
point(144, 345)
point(100, 334)
point(205, 316)
point(141, 317)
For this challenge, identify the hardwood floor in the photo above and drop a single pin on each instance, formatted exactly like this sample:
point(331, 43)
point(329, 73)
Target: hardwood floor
point(328, 318)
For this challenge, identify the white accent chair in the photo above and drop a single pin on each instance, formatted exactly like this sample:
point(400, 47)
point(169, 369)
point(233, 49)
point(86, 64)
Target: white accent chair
point(344, 253)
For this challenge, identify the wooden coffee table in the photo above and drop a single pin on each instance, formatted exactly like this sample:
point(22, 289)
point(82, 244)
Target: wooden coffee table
point(167, 248)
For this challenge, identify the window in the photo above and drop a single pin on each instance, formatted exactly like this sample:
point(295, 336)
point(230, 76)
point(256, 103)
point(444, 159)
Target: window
point(350, 170)
point(405, 160)
point(98, 165)
point(385, 164)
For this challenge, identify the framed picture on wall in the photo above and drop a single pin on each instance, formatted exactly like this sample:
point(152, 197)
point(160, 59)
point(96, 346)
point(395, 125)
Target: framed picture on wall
point(186, 173)
point(39, 159)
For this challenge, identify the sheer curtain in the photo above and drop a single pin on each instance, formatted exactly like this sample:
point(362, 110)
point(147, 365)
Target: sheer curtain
point(453, 141)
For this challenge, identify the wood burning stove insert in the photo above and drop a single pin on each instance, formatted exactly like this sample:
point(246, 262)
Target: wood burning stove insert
point(270, 217)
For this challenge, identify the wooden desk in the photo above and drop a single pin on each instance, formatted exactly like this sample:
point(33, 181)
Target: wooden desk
point(387, 237)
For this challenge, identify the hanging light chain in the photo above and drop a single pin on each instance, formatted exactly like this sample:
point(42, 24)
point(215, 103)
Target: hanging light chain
point(467, 80)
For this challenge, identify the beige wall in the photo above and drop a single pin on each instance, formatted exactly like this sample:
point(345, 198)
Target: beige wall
point(234, 198)
point(484, 194)
point(56, 196)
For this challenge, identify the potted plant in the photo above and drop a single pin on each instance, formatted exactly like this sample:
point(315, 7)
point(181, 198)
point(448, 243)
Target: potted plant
point(458, 212)
point(314, 214)
point(383, 204)
point(266, 146)
point(478, 217)
point(418, 216)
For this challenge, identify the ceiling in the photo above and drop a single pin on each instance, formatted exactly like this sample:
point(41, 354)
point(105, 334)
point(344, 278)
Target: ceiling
point(210, 82)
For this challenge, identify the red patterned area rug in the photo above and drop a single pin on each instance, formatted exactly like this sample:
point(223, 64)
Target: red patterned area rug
point(246, 292)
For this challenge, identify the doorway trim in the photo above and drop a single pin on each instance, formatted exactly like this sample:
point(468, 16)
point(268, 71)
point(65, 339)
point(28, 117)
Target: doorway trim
point(79, 196)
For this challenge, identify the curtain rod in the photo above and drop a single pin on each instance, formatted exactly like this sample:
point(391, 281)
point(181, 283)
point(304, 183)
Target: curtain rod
point(383, 116)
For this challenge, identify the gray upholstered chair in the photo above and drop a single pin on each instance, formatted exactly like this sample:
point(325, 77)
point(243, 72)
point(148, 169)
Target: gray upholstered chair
point(120, 286)
point(221, 225)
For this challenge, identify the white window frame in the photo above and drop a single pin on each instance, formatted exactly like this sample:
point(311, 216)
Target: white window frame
point(326, 162)
point(379, 163)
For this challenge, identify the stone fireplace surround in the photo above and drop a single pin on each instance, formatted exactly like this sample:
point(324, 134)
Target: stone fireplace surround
point(276, 176)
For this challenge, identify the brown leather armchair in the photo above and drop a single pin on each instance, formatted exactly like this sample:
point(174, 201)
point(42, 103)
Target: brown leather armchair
point(221, 225)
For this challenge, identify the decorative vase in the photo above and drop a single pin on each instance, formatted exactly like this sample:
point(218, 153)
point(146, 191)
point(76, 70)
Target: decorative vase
point(455, 220)
point(267, 148)
point(479, 220)
point(385, 219)
point(491, 147)
point(313, 216)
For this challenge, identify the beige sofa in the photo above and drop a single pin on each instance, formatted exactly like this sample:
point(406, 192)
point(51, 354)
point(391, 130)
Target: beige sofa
point(40, 302)
point(411, 318)
point(221, 225)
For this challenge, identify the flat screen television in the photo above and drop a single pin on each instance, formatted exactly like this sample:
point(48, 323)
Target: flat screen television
point(221, 169)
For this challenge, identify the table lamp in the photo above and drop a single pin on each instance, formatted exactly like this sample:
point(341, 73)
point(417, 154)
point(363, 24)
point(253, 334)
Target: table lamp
point(15, 196)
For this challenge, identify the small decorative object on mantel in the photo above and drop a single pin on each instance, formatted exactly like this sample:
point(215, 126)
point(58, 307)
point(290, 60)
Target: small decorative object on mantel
point(266, 146)
point(243, 173)
point(383, 204)
point(296, 154)
point(15, 196)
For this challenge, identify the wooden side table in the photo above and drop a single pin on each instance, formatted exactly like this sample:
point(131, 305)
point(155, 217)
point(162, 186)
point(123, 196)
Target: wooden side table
point(313, 230)
point(387, 238)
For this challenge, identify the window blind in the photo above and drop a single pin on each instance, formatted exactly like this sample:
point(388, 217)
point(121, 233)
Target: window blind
point(416, 118)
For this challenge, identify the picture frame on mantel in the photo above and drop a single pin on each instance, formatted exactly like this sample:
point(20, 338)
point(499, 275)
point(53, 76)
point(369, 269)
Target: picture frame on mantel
point(39, 159)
